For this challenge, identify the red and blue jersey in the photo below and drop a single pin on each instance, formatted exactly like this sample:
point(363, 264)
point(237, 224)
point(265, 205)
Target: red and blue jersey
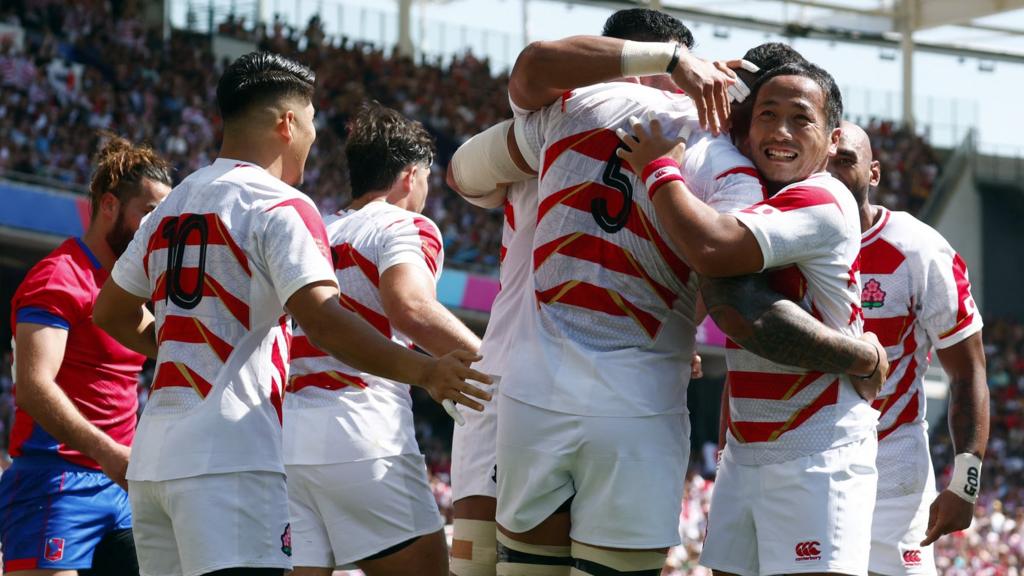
point(98, 374)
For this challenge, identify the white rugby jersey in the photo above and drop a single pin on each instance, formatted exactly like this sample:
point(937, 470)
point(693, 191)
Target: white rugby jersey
point(333, 412)
point(514, 299)
point(809, 234)
point(916, 295)
point(612, 330)
point(219, 258)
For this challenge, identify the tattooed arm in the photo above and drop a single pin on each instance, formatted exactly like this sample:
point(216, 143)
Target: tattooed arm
point(767, 324)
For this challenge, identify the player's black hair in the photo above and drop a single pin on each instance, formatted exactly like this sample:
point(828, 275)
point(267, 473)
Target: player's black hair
point(646, 25)
point(772, 55)
point(381, 143)
point(259, 79)
point(833, 97)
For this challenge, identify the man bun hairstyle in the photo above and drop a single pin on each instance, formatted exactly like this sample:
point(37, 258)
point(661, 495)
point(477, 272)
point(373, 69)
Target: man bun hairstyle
point(261, 79)
point(120, 169)
point(381, 143)
point(646, 25)
point(829, 88)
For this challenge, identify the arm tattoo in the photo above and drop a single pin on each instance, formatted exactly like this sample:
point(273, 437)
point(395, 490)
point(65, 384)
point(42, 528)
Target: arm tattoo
point(767, 324)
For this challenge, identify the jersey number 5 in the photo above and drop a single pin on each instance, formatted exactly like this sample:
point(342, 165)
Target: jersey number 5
point(178, 232)
point(613, 178)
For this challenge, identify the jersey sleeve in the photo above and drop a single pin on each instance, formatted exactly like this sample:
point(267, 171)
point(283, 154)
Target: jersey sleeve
point(415, 241)
point(130, 269)
point(51, 295)
point(295, 248)
point(795, 225)
point(948, 314)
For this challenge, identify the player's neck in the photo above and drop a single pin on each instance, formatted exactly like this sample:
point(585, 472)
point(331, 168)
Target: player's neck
point(869, 215)
point(262, 156)
point(95, 240)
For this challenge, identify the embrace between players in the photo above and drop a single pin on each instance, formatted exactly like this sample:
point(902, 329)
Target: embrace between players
point(627, 205)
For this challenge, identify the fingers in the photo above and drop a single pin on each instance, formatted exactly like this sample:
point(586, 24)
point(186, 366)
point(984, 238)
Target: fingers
point(470, 374)
point(471, 390)
point(738, 91)
point(465, 356)
point(466, 401)
point(722, 103)
point(452, 411)
point(710, 114)
point(702, 110)
point(627, 139)
point(932, 533)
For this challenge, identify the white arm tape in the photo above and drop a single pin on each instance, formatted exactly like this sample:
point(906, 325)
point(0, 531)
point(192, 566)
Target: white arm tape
point(646, 58)
point(966, 480)
point(484, 162)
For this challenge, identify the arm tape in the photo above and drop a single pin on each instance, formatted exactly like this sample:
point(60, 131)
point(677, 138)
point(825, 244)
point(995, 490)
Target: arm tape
point(484, 162)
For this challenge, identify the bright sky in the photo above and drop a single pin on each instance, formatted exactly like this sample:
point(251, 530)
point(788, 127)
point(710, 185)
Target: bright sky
point(952, 94)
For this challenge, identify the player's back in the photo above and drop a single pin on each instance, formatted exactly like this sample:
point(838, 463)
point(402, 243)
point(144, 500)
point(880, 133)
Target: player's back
point(351, 414)
point(218, 258)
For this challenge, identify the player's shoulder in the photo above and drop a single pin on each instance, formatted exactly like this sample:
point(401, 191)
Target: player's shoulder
point(817, 190)
point(911, 235)
point(392, 220)
point(61, 269)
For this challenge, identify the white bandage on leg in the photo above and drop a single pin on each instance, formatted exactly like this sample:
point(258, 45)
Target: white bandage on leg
point(646, 58)
point(484, 162)
point(520, 559)
point(588, 560)
point(474, 548)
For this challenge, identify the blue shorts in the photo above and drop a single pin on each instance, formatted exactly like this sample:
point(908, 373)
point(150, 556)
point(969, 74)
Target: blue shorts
point(54, 513)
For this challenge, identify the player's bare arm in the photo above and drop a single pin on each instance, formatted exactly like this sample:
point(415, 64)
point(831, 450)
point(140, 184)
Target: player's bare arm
point(546, 70)
point(353, 341)
point(964, 363)
point(410, 303)
point(39, 351)
point(125, 317)
point(773, 327)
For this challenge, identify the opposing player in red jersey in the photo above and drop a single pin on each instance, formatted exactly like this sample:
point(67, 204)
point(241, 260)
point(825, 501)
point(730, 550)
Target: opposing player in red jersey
point(231, 249)
point(801, 444)
point(76, 388)
point(916, 296)
point(357, 483)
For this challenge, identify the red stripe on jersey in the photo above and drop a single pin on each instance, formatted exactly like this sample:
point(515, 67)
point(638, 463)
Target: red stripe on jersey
point(430, 244)
point(770, 431)
point(378, 321)
point(789, 282)
point(590, 297)
point(964, 316)
point(885, 403)
point(190, 276)
point(191, 331)
point(907, 415)
point(510, 215)
point(330, 380)
point(878, 229)
point(599, 144)
point(177, 375)
point(797, 198)
point(768, 386)
point(346, 256)
point(880, 258)
point(890, 331)
point(313, 222)
point(216, 235)
point(501, 255)
point(275, 392)
point(606, 254)
point(303, 348)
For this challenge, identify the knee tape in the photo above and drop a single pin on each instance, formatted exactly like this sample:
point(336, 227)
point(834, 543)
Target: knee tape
point(520, 559)
point(591, 561)
point(474, 548)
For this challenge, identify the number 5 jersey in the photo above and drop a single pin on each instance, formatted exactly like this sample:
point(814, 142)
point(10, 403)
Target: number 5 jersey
point(219, 258)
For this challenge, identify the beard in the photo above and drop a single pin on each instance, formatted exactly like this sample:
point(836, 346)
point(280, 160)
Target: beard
point(119, 236)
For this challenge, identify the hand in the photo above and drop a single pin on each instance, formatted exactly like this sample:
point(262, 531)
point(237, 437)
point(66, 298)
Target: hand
point(869, 388)
point(696, 367)
point(739, 91)
point(645, 147)
point(948, 513)
point(708, 86)
point(114, 462)
point(446, 377)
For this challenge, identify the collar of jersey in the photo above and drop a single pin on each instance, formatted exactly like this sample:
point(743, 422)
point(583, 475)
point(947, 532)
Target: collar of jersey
point(92, 257)
point(873, 232)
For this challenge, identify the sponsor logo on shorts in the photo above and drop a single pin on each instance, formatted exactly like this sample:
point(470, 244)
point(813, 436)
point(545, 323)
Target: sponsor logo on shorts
point(286, 540)
point(911, 558)
point(810, 550)
point(54, 549)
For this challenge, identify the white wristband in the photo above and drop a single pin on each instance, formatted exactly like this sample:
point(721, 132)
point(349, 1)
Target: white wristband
point(646, 58)
point(966, 481)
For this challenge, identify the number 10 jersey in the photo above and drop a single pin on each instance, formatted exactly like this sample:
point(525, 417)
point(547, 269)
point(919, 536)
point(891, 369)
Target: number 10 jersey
point(219, 258)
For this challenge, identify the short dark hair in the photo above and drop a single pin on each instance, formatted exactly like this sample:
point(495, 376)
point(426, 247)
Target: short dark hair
point(833, 97)
point(772, 55)
point(381, 143)
point(120, 169)
point(646, 25)
point(261, 78)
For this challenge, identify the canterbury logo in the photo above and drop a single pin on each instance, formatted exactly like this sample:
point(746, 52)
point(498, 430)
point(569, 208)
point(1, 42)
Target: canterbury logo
point(911, 557)
point(808, 551)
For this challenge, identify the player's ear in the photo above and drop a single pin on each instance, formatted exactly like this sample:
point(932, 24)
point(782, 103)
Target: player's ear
point(833, 145)
point(110, 206)
point(286, 125)
point(876, 173)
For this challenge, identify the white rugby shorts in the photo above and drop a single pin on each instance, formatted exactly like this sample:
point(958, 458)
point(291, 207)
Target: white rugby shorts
point(625, 475)
point(197, 525)
point(342, 513)
point(897, 530)
point(473, 450)
point(810, 514)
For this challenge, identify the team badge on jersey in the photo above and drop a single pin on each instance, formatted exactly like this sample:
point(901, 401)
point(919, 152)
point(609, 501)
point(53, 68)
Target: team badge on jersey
point(286, 540)
point(872, 296)
point(54, 549)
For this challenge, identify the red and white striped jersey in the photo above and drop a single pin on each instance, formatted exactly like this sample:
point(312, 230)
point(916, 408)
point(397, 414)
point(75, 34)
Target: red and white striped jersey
point(916, 295)
point(612, 330)
point(809, 234)
point(515, 295)
point(333, 412)
point(219, 258)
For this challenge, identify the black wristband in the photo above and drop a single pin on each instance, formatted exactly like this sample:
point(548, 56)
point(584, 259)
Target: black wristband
point(674, 61)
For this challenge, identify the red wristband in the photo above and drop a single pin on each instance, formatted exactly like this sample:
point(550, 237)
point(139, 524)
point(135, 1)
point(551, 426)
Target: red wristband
point(659, 172)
